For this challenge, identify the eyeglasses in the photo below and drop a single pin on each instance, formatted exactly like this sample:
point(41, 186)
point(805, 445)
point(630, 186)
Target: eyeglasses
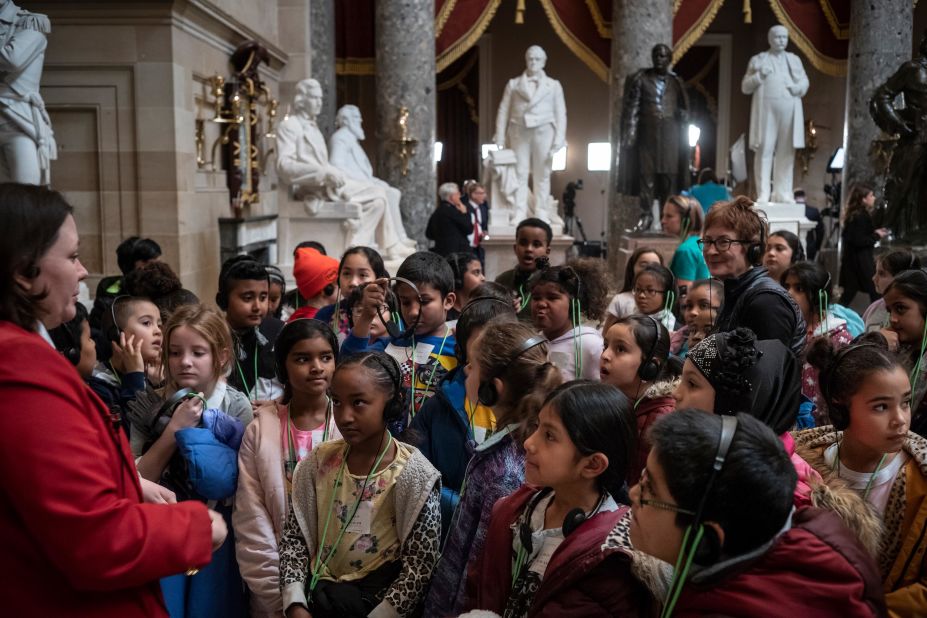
point(657, 504)
point(722, 244)
point(648, 293)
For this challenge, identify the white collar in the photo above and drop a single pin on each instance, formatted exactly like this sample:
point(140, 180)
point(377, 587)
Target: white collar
point(43, 333)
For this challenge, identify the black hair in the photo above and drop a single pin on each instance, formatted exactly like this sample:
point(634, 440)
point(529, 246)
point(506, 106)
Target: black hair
point(599, 419)
point(649, 338)
point(812, 278)
point(312, 245)
point(798, 252)
point(476, 313)
point(458, 261)
point(425, 267)
point(133, 249)
point(491, 288)
point(238, 268)
point(685, 444)
point(911, 284)
point(373, 258)
point(538, 223)
point(159, 282)
point(67, 336)
point(291, 334)
point(628, 282)
point(662, 274)
point(841, 372)
point(31, 217)
point(387, 376)
point(898, 261)
point(716, 286)
point(583, 279)
point(357, 295)
point(707, 175)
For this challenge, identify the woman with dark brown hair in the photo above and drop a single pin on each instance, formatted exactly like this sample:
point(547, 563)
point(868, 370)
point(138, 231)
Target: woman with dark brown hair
point(76, 538)
point(857, 265)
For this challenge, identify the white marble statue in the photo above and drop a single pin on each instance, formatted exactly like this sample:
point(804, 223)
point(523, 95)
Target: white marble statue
point(346, 153)
point(27, 144)
point(777, 81)
point(532, 122)
point(302, 161)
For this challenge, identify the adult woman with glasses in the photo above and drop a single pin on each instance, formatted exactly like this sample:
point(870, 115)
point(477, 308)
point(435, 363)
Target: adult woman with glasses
point(733, 244)
point(76, 538)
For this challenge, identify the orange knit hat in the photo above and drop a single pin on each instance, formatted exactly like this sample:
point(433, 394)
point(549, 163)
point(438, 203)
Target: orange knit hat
point(313, 271)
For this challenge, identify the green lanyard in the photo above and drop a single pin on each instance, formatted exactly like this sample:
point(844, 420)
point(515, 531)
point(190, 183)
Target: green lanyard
point(434, 368)
point(292, 457)
point(871, 477)
point(244, 382)
point(319, 562)
point(524, 299)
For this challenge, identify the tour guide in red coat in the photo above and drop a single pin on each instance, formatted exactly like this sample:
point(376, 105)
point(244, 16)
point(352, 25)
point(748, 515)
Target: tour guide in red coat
point(76, 538)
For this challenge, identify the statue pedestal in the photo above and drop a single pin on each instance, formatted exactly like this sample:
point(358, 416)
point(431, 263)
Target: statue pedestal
point(326, 222)
point(789, 217)
point(256, 236)
point(500, 255)
point(629, 243)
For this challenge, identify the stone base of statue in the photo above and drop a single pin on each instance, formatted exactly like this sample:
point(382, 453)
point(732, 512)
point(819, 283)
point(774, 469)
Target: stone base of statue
point(789, 217)
point(500, 255)
point(500, 179)
point(329, 223)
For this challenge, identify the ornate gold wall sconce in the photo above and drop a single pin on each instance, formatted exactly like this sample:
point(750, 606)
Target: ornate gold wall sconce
point(804, 155)
point(405, 144)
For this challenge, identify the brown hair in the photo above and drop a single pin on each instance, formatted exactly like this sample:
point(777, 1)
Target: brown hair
point(740, 216)
point(528, 377)
point(855, 204)
point(688, 206)
point(210, 325)
point(30, 217)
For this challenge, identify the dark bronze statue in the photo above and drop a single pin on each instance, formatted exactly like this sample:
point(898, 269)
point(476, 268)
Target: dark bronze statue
point(654, 148)
point(906, 185)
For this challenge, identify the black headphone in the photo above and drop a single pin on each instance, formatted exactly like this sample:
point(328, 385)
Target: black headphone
point(460, 351)
point(708, 550)
point(280, 361)
point(573, 520)
point(487, 393)
point(67, 341)
point(839, 413)
point(756, 250)
point(396, 405)
point(649, 368)
point(454, 263)
point(391, 327)
point(222, 296)
point(275, 275)
point(113, 331)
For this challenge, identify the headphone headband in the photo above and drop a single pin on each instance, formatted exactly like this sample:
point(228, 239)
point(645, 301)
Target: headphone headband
point(526, 345)
point(391, 328)
point(479, 299)
point(728, 429)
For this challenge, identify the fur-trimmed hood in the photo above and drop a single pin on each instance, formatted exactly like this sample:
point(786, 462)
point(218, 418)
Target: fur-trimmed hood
point(662, 388)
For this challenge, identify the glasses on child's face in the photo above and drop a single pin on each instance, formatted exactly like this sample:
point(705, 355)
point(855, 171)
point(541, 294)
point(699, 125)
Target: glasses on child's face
point(648, 293)
point(721, 244)
point(657, 504)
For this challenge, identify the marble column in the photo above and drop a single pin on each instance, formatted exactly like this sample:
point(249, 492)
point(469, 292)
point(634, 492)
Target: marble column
point(636, 27)
point(880, 41)
point(322, 39)
point(405, 77)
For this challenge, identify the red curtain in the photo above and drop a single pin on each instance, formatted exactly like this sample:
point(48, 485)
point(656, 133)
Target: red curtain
point(458, 119)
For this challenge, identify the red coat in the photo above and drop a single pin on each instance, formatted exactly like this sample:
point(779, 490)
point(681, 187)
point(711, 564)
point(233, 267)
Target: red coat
point(817, 568)
point(75, 538)
point(648, 412)
point(581, 579)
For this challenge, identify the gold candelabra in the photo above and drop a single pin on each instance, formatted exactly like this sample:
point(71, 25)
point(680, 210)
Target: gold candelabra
point(405, 145)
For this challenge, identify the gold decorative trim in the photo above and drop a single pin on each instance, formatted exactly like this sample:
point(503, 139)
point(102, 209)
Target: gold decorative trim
point(604, 27)
point(443, 15)
point(676, 5)
point(460, 75)
point(355, 66)
point(588, 57)
point(695, 32)
point(840, 33)
point(824, 64)
point(458, 49)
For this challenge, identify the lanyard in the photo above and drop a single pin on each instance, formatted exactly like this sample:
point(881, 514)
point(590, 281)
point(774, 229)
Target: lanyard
point(292, 456)
point(524, 299)
point(434, 368)
point(244, 382)
point(319, 562)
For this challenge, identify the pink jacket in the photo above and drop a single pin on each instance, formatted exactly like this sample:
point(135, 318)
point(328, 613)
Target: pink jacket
point(260, 511)
point(806, 474)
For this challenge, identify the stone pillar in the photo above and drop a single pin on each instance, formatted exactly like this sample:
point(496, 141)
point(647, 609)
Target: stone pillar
point(880, 41)
point(636, 27)
point(322, 40)
point(405, 77)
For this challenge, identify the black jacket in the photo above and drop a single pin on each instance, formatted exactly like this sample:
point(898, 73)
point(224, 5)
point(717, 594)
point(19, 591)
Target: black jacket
point(858, 265)
point(755, 301)
point(449, 227)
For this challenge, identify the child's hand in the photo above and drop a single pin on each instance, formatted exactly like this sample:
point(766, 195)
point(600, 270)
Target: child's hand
point(128, 353)
point(891, 337)
point(152, 493)
point(219, 529)
point(373, 297)
point(187, 414)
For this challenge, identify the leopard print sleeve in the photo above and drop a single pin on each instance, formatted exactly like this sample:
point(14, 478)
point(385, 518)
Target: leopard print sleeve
point(294, 563)
point(419, 554)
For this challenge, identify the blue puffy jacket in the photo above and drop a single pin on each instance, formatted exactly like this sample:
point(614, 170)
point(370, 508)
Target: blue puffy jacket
point(211, 454)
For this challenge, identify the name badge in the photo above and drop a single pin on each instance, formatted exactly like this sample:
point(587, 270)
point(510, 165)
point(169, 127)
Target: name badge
point(422, 353)
point(399, 354)
point(539, 564)
point(363, 519)
point(318, 436)
point(479, 434)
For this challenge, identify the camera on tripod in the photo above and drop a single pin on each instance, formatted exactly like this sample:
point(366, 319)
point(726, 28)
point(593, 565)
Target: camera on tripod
point(569, 198)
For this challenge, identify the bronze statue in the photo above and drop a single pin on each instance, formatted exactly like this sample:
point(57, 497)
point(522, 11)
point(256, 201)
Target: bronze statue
point(654, 148)
point(906, 185)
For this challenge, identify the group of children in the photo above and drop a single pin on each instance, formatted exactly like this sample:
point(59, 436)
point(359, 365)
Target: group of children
point(431, 443)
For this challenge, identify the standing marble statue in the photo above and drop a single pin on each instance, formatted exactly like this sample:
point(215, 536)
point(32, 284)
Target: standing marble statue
point(654, 148)
point(532, 121)
point(302, 161)
point(346, 153)
point(777, 81)
point(27, 144)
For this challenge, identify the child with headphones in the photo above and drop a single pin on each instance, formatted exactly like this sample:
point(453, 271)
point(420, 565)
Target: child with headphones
point(733, 244)
point(316, 276)
point(468, 273)
point(870, 450)
point(682, 217)
point(361, 537)
point(561, 298)
point(655, 294)
point(507, 370)
point(906, 301)
point(634, 360)
point(699, 309)
point(242, 295)
point(888, 266)
point(276, 290)
point(358, 265)
point(623, 303)
point(283, 433)
point(715, 500)
point(532, 249)
point(543, 552)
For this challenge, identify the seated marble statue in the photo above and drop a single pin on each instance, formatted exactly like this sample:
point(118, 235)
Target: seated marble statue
point(302, 162)
point(346, 153)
